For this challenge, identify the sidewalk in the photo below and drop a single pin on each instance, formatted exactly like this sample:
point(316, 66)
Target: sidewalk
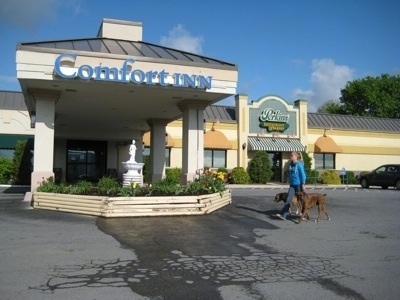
point(272, 185)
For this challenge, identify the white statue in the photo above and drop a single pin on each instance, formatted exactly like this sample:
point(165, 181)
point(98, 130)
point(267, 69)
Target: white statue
point(132, 151)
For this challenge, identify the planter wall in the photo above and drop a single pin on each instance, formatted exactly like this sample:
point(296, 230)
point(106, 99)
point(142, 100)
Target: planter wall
point(110, 207)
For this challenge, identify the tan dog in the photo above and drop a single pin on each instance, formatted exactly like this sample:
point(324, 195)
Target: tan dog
point(309, 201)
point(293, 205)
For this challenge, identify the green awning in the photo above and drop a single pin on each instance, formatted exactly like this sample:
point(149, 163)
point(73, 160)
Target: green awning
point(8, 141)
point(274, 144)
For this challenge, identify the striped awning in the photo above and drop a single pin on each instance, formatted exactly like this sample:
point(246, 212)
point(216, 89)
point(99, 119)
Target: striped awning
point(274, 144)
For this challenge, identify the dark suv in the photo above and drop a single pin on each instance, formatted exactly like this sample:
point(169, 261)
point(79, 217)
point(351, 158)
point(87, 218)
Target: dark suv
point(384, 176)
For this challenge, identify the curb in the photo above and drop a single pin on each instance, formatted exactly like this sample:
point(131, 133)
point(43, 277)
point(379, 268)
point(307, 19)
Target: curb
point(285, 186)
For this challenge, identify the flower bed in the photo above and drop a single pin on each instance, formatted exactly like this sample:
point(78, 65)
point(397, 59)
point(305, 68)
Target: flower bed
point(108, 198)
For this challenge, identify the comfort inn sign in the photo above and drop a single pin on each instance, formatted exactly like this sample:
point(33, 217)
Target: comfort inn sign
point(127, 74)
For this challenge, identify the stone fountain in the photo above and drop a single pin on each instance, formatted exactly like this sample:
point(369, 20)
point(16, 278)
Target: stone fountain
point(134, 169)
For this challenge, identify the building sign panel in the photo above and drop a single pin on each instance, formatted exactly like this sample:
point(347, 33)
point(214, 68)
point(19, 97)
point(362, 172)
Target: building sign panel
point(273, 120)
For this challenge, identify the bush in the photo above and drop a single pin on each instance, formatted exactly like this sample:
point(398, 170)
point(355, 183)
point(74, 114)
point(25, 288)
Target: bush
point(146, 168)
point(330, 177)
point(207, 183)
point(173, 175)
point(22, 163)
point(165, 187)
point(312, 176)
point(6, 170)
point(351, 179)
point(306, 160)
point(49, 186)
point(82, 187)
point(239, 176)
point(260, 168)
point(222, 170)
point(108, 186)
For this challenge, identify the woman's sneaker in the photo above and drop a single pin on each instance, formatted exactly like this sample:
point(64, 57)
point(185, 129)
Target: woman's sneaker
point(283, 217)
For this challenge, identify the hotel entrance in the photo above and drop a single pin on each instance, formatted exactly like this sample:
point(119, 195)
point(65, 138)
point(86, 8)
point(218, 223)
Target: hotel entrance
point(86, 160)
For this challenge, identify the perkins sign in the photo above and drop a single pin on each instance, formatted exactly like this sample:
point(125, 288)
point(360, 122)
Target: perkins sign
point(127, 74)
point(273, 120)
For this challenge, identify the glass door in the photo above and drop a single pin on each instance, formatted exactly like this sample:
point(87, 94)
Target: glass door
point(86, 160)
point(276, 166)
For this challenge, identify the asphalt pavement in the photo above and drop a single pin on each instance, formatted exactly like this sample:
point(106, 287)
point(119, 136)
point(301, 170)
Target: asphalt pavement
point(238, 252)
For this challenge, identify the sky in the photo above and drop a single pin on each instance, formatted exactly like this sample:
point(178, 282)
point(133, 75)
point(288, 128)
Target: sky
point(307, 49)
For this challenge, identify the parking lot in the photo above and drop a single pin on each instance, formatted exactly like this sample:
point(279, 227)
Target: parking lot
point(239, 252)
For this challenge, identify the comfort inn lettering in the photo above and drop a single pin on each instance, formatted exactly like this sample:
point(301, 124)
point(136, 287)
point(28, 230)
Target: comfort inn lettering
point(128, 74)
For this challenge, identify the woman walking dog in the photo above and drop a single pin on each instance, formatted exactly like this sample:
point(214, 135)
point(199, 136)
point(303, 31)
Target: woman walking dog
point(297, 181)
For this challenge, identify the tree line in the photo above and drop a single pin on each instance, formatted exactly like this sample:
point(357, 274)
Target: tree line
point(370, 96)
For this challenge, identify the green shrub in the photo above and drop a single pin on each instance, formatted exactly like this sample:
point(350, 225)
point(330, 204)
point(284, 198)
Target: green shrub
point(312, 176)
point(6, 170)
point(239, 176)
point(166, 187)
point(330, 177)
point(351, 179)
point(306, 160)
point(207, 183)
point(146, 168)
point(133, 190)
point(260, 168)
point(173, 175)
point(22, 161)
point(108, 186)
point(82, 187)
point(223, 170)
point(49, 186)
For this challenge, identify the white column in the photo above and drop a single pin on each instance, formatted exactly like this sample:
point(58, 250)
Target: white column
point(157, 148)
point(192, 138)
point(45, 102)
point(242, 113)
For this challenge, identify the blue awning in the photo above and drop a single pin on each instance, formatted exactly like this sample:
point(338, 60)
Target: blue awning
point(274, 144)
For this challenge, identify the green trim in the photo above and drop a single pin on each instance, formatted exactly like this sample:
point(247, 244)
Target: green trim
point(8, 141)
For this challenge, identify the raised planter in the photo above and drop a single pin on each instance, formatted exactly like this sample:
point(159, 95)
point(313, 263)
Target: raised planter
point(110, 207)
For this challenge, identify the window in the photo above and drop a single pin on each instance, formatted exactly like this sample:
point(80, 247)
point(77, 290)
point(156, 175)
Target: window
point(146, 152)
point(86, 160)
point(215, 158)
point(324, 161)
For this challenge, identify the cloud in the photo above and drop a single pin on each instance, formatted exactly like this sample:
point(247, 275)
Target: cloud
point(28, 14)
point(180, 38)
point(297, 62)
point(327, 80)
point(247, 86)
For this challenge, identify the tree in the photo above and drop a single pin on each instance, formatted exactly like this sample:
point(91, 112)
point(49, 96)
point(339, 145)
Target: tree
point(372, 96)
point(331, 107)
point(6, 170)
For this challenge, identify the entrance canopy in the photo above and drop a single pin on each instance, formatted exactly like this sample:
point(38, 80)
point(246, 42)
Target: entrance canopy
point(116, 81)
point(274, 144)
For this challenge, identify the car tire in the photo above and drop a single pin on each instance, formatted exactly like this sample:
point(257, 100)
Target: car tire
point(384, 187)
point(398, 184)
point(364, 183)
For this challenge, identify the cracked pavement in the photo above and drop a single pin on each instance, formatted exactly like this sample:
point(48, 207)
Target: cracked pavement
point(238, 252)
